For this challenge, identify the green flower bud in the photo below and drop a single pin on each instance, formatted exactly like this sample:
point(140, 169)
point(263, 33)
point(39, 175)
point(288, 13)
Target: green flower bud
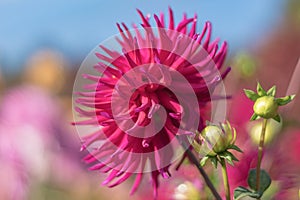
point(218, 139)
point(246, 65)
point(266, 107)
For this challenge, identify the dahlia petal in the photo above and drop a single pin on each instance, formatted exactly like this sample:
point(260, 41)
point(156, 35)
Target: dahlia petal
point(208, 36)
point(162, 157)
point(155, 183)
point(220, 57)
point(145, 21)
point(170, 127)
point(158, 22)
point(139, 36)
point(165, 173)
point(84, 112)
point(131, 63)
point(185, 27)
point(182, 25)
point(90, 86)
point(92, 138)
point(169, 103)
point(154, 107)
point(129, 163)
point(171, 20)
point(85, 94)
point(142, 117)
point(105, 58)
point(110, 177)
point(121, 180)
point(136, 183)
point(89, 99)
point(130, 37)
point(224, 74)
point(97, 166)
point(86, 122)
point(193, 29)
point(90, 159)
point(162, 19)
point(120, 149)
point(124, 37)
point(213, 52)
point(175, 115)
point(107, 70)
point(105, 170)
point(113, 54)
point(120, 63)
point(202, 33)
point(212, 44)
point(138, 56)
point(96, 104)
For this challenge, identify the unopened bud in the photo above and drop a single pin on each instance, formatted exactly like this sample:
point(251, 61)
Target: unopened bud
point(218, 138)
point(266, 107)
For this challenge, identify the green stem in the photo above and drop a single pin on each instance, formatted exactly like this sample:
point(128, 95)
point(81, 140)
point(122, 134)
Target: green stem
point(260, 152)
point(195, 161)
point(225, 179)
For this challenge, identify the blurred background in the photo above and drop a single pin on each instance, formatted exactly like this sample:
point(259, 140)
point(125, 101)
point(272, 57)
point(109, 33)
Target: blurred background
point(42, 45)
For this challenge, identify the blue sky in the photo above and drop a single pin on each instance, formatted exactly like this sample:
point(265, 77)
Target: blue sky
point(76, 27)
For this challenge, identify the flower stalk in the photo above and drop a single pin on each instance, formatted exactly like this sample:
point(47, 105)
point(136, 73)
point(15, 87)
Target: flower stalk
point(225, 179)
point(260, 152)
point(209, 184)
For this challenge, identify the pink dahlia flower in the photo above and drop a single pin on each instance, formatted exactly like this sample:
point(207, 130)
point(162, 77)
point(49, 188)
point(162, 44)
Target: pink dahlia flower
point(13, 171)
point(149, 88)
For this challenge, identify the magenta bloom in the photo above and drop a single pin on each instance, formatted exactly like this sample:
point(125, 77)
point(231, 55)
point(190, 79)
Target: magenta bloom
point(147, 92)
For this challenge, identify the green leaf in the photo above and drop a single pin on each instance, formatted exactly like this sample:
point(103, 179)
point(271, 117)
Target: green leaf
point(229, 160)
point(284, 100)
point(272, 91)
point(254, 117)
point(229, 157)
point(229, 154)
point(241, 192)
point(251, 94)
point(234, 147)
point(277, 118)
point(214, 161)
point(265, 180)
point(203, 161)
point(260, 90)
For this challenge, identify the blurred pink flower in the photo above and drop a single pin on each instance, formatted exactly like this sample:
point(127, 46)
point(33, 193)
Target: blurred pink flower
point(239, 115)
point(29, 114)
point(31, 109)
point(31, 134)
point(13, 172)
point(285, 167)
point(164, 53)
